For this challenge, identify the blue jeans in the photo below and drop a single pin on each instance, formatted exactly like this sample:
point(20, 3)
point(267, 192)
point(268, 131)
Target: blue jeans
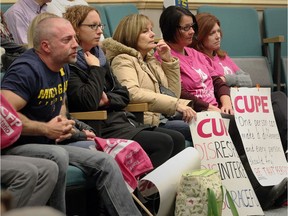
point(106, 175)
point(178, 125)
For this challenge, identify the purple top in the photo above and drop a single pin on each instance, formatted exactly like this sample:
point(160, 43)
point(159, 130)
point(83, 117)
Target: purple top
point(19, 16)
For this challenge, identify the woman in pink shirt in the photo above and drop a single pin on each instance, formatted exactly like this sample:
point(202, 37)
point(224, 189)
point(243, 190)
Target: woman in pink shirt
point(178, 26)
point(200, 77)
point(208, 42)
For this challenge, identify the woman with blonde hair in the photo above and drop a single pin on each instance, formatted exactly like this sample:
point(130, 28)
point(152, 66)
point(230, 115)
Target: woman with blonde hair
point(131, 55)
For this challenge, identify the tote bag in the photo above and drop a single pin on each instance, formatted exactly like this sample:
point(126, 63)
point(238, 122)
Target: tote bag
point(201, 193)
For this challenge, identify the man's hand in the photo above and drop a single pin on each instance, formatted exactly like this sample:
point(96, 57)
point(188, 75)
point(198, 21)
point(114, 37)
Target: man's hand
point(89, 134)
point(59, 128)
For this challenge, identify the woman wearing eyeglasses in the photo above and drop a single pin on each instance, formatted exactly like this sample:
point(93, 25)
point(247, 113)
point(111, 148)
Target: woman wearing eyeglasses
point(93, 86)
point(179, 26)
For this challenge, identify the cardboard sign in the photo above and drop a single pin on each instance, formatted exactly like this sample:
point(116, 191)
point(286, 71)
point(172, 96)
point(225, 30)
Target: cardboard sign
point(258, 130)
point(217, 151)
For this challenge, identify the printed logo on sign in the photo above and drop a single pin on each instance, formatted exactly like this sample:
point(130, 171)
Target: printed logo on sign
point(8, 120)
point(6, 127)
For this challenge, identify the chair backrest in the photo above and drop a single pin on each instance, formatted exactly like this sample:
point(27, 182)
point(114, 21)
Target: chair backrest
point(5, 6)
point(258, 68)
point(275, 23)
point(241, 29)
point(115, 12)
point(101, 10)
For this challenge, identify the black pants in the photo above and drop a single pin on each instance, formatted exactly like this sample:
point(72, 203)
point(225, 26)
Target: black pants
point(279, 104)
point(160, 144)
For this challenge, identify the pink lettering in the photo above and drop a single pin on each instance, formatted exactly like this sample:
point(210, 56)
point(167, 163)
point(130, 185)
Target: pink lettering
point(217, 131)
point(251, 104)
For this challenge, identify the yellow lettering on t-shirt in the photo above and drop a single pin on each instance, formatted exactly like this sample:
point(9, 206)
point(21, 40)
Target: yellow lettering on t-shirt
point(60, 89)
point(53, 92)
point(62, 72)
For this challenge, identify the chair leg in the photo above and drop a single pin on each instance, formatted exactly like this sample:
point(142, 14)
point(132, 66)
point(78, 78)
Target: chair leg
point(277, 63)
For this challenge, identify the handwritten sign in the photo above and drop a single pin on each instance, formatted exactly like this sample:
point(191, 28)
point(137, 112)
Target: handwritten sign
point(258, 130)
point(217, 151)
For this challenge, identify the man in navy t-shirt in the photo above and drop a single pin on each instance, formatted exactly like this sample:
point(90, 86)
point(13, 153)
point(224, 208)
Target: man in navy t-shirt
point(35, 85)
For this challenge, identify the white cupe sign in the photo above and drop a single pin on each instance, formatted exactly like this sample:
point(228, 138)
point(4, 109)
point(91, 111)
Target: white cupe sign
point(258, 130)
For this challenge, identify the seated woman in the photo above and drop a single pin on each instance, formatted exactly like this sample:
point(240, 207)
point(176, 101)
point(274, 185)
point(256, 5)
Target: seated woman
point(209, 42)
point(178, 26)
point(131, 55)
point(92, 86)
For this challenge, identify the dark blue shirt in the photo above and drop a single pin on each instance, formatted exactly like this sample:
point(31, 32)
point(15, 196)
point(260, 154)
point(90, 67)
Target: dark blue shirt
point(41, 88)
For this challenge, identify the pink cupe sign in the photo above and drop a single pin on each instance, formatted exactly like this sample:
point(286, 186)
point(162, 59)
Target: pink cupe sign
point(130, 156)
point(11, 125)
